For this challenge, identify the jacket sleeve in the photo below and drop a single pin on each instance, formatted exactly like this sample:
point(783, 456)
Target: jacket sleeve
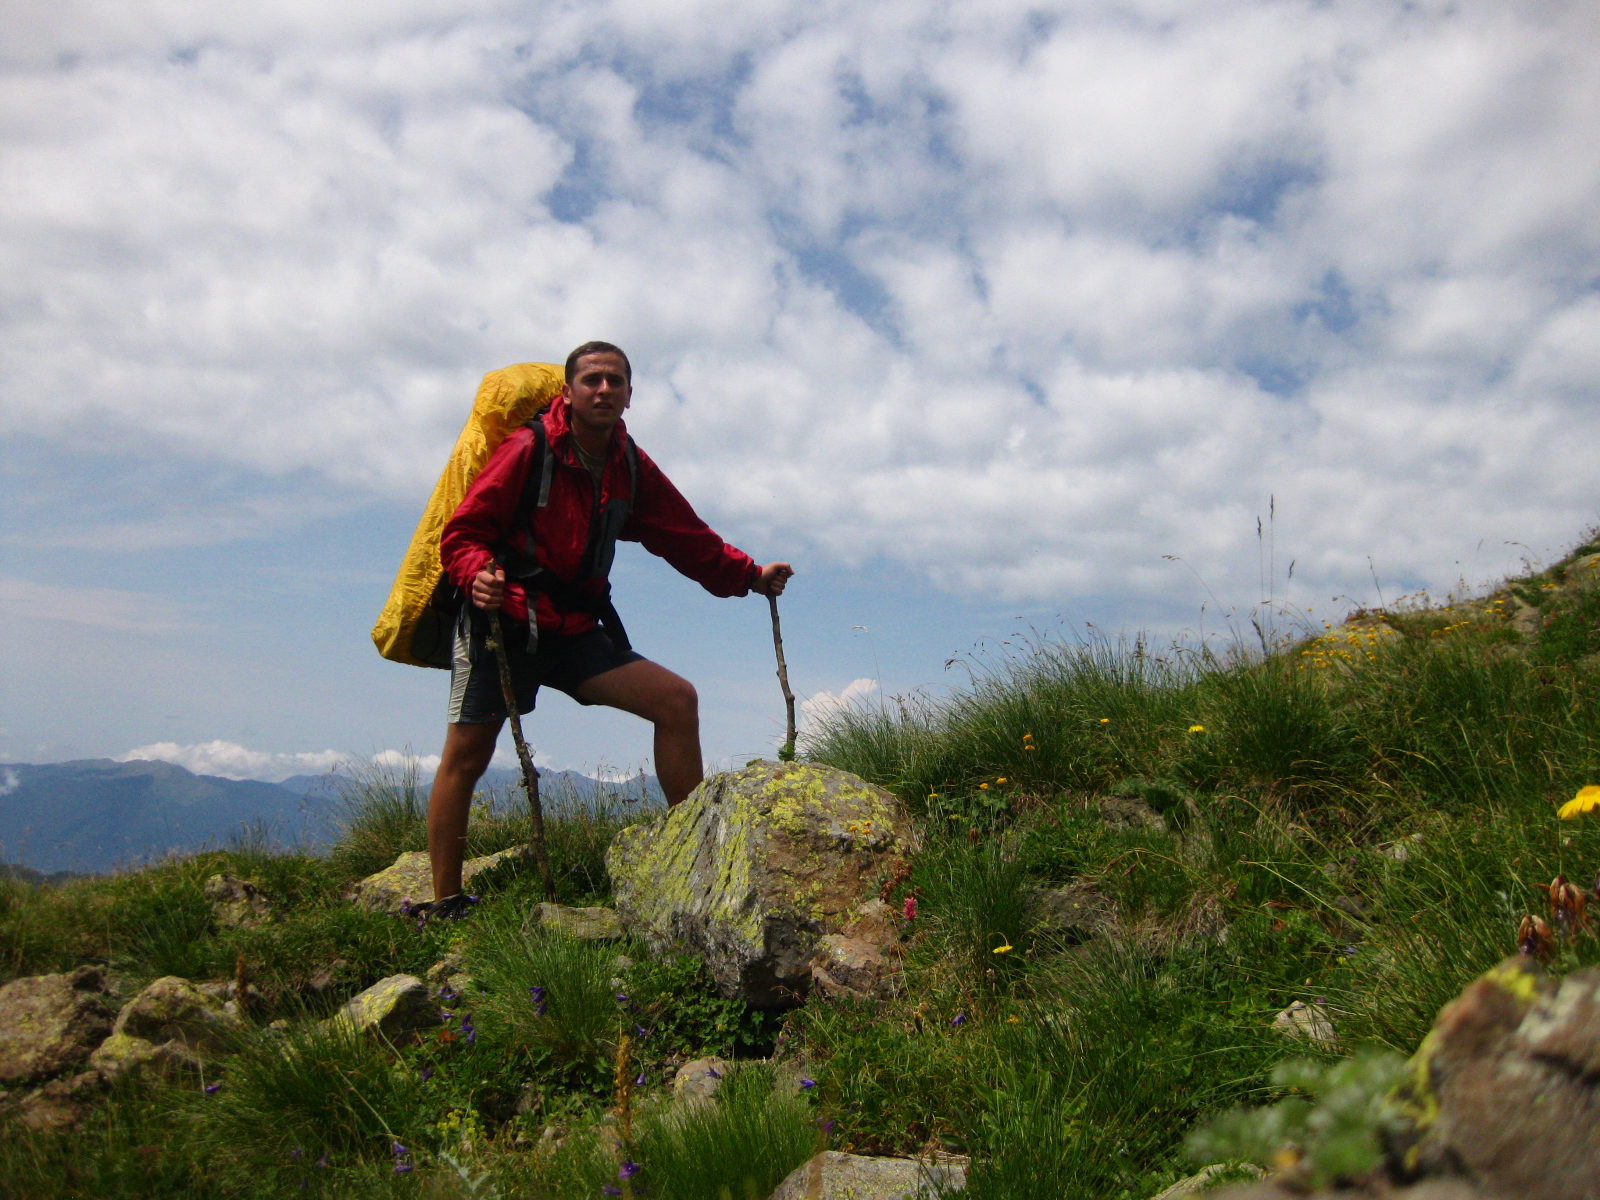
point(664, 523)
point(485, 512)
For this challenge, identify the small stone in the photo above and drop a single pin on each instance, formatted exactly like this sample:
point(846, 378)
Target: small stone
point(596, 924)
point(1302, 1020)
point(700, 1079)
point(51, 1023)
point(410, 878)
point(173, 1009)
point(833, 1175)
point(237, 903)
point(1202, 1179)
point(123, 1056)
point(1132, 814)
point(397, 1008)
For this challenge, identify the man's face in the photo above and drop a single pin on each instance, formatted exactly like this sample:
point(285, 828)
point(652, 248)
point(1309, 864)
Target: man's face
point(599, 391)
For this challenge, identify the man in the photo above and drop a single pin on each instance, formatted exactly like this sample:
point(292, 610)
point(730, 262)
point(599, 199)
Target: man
point(591, 487)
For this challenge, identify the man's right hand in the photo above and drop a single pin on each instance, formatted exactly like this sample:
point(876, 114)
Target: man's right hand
point(489, 588)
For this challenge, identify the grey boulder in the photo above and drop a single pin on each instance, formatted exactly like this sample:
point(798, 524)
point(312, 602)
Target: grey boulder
point(756, 867)
point(397, 1008)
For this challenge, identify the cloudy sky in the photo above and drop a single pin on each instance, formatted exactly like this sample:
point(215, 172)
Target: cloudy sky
point(989, 316)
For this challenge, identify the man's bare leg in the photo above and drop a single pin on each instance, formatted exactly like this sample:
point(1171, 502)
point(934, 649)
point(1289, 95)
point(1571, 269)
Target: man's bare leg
point(668, 701)
point(467, 751)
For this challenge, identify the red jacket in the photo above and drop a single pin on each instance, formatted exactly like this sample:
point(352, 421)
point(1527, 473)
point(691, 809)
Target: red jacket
point(661, 520)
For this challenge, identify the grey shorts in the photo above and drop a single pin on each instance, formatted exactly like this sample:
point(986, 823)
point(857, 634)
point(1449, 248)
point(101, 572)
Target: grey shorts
point(561, 662)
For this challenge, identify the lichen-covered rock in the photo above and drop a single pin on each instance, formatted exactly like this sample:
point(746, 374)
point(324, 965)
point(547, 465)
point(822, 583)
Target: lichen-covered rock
point(756, 867)
point(410, 878)
point(174, 1010)
point(396, 1007)
point(833, 1175)
point(596, 924)
point(1506, 1087)
point(123, 1056)
point(51, 1023)
point(237, 903)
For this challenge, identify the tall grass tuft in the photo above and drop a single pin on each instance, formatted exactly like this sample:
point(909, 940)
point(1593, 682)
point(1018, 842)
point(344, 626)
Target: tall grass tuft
point(382, 812)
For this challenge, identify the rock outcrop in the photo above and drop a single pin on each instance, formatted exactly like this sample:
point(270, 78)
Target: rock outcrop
point(397, 1008)
point(833, 1175)
point(237, 903)
point(700, 1079)
point(756, 867)
point(50, 1024)
point(410, 879)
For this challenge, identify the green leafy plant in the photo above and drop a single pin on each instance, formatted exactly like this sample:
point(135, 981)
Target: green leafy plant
point(1331, 1131)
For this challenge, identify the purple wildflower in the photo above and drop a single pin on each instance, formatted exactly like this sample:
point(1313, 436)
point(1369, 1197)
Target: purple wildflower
point(400, 1168)
point(323, 1161)
point(628, 1169)
point(427, 1074)
point(405, 907)
point(398, 1150)
point(807, 1084)
point(641, 1031)
point(959, 1019)
point(538, 1000)
point(639, 1082)
point(622, 998)
point(468, 1029)
point(296, 1153)
point(211, 1088)
point(826, 1126)
point(448, 995)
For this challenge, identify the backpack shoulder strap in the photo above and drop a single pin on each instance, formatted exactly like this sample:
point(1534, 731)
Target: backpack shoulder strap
point(535, 489)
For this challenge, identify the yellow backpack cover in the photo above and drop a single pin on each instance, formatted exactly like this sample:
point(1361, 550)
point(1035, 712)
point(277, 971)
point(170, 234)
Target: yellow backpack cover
point(412, 628)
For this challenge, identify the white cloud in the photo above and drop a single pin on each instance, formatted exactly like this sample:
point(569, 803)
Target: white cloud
point(9, 782)
point(819, 707)
point(233, 761)
point(1019, 296)
point(423, 764)
point(101, 608)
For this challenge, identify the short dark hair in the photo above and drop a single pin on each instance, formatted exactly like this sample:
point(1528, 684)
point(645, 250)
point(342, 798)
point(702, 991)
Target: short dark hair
point(598, 348)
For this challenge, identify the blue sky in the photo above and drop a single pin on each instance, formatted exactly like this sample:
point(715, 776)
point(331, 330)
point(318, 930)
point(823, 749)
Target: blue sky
point(984, 315)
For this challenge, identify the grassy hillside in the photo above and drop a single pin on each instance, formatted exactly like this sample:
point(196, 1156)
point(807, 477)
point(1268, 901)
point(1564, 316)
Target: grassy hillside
point(1357, 820)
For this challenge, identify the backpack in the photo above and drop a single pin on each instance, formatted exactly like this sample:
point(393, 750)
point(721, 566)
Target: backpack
point(418, 620)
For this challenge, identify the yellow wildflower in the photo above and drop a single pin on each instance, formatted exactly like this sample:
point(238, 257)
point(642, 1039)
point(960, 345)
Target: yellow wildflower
point(983, 787)
point(1006, 949)
point(1002, 779)
point(1587, 800)
point(1197, 729)
point(1105, 720)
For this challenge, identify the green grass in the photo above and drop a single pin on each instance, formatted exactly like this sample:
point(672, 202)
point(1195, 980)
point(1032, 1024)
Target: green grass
point(1357, 819)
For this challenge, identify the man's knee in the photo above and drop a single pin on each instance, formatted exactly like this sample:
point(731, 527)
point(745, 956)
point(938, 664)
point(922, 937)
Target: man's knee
point(469, 749)
point(678, 703)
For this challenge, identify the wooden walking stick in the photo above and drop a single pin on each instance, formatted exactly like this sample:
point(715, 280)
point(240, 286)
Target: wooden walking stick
point(530, 774)
point(787, 753)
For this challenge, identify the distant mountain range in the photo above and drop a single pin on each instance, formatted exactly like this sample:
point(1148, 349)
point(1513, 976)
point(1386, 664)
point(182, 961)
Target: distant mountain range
point(94, 815)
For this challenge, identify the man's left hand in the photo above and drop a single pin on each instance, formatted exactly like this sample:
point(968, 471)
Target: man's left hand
point(772, 578)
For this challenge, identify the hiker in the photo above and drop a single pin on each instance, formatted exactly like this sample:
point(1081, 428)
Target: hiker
point(554, 535)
